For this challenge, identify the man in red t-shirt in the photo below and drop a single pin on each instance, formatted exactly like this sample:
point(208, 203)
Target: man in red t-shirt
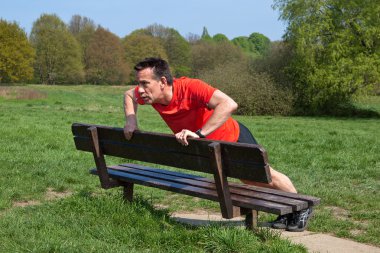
point(194, 109)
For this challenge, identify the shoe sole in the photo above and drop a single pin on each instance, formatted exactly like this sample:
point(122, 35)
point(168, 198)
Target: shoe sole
point(283, 226)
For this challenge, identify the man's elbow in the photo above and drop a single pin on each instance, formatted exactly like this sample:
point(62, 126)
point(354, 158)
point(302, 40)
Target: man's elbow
point(233, 105)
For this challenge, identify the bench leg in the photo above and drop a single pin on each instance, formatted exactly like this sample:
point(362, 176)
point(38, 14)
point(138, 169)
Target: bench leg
point(251, 219)
point(128, 191)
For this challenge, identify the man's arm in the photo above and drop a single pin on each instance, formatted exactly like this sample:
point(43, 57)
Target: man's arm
point(130, 110)
point(223, 106)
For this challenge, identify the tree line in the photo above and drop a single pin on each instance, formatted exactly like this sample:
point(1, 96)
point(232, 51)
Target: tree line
point(329, 53)
point(83, 52)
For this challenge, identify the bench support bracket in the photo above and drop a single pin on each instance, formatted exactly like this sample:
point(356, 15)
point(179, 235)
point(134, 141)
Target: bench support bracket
point(228, 210)
point(128, 191)
point(100, 162)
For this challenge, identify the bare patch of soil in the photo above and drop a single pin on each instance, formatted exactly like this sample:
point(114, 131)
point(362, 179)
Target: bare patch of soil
point(49, 196)
point(52, 195)
point(339, 213)
point(21, 93)
point(26, 203)
point(356, 232)
point(343, 214)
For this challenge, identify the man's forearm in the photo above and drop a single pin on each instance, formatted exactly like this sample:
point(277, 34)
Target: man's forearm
point(130, 110)
point(220, 115)
point(130, 107)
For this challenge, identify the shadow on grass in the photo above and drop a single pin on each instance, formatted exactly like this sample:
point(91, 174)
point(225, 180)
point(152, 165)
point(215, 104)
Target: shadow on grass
point(341, 111)
point(262, 232)
point(352, 111)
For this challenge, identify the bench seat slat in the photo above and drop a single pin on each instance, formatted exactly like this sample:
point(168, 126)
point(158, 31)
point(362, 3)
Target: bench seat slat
point(309, 199)
point(182, 178)
point(210, 194)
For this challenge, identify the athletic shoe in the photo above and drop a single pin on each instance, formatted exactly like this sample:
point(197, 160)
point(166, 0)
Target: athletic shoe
point(282, 221)
point(299, 221)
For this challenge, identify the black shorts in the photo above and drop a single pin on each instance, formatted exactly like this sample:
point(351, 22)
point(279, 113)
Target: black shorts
point(245, 136)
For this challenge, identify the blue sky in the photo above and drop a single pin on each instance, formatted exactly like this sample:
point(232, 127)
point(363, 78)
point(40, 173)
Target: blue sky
point(231, 17)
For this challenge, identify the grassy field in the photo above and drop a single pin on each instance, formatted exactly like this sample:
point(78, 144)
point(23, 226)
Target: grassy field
point(49, 202)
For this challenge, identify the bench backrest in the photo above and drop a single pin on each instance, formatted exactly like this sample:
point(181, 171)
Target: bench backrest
point(239, 160)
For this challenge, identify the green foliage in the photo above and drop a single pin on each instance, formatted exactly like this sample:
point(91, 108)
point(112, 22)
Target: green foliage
point(105, 61)
point(176, 47)
point(255, 45)
point(16, 54)
point(336, 50)
point(58, 54)
point(260, 42)
point(139, 45)
point(255, 93)
point(246, 45)
point(207, 55)
point(82, 28)
point(205, 35)
point(219, 37)
point(275, 63)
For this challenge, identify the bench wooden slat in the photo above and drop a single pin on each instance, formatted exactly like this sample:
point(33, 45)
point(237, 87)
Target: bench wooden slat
point(210, 184)
point(165, 150)
point(210, 194)
point(310, 199)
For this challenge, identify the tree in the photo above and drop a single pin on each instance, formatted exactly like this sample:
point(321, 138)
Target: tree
point(16, 54)
point(58, 55)
point(138, 45)
point(205, 35)
point(176, 47)
point(275, 63)
point(206, 55)
point(192, 38)
point(246, 45)
point(105, 54)
point(256, 45)
point(220, 37)
point(260, 42)
point(82, 28)
point(336, 48)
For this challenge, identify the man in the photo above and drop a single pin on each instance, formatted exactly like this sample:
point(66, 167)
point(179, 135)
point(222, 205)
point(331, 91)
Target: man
point(193, 109)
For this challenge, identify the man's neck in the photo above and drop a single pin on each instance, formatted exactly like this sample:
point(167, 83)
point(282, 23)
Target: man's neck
point(167, 95)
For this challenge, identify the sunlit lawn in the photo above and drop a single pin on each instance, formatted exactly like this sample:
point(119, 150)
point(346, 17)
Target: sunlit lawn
point(336, 159)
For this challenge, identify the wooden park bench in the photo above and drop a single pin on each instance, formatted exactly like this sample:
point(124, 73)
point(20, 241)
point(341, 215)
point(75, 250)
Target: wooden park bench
point(221, 159)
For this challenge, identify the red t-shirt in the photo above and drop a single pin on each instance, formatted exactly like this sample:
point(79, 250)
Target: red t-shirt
point(188, 109)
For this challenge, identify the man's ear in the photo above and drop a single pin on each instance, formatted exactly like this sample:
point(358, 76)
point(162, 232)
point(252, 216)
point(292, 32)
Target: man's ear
point(164, 81)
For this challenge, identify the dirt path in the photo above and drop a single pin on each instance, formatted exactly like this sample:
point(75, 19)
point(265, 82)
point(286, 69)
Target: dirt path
point(314, 242)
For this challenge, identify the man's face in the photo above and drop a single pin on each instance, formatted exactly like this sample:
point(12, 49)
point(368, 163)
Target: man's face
point(150, 89)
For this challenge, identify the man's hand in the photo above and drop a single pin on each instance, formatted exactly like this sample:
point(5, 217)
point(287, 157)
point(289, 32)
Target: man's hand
point(128, 130)
point(183, 135)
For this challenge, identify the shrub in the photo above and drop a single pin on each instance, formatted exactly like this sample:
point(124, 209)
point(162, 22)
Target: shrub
point(256, 93)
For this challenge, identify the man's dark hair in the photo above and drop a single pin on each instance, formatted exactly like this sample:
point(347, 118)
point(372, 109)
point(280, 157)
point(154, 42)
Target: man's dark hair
point(159, 66)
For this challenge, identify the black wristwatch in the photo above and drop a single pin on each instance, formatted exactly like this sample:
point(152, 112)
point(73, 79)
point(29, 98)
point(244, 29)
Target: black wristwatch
point(198, 132)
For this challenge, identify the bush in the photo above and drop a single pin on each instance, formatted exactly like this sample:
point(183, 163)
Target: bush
point(275, 63)
point(207, 55)
point(256, 93)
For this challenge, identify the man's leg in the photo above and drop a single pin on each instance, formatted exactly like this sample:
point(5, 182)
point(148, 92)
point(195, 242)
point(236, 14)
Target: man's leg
point(279, 182)
point(294, 221)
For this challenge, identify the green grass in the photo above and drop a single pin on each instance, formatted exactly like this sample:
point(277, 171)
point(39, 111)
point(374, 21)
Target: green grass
point(103, 223)
point(337, 160)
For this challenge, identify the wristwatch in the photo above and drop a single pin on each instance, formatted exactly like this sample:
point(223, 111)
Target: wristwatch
point(198, 132)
